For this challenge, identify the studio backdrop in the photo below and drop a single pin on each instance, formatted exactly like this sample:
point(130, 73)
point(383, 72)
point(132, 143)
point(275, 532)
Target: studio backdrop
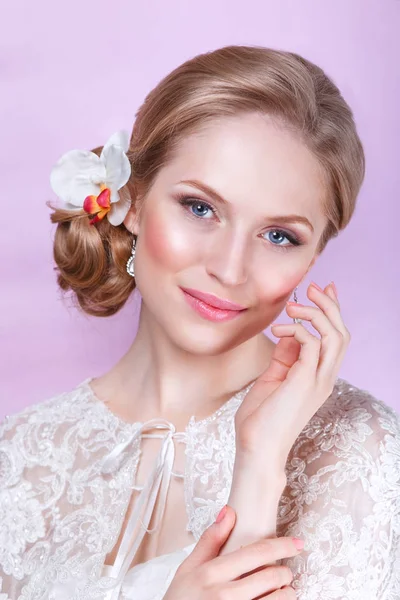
point(72, 73)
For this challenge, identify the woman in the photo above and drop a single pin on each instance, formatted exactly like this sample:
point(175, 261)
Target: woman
point(243, 163)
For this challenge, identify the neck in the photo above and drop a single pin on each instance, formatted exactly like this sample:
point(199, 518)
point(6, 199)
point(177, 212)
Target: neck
point(174, 382)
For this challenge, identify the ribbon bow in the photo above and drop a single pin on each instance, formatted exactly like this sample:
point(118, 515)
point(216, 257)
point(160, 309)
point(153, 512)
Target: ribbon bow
point(158, 479)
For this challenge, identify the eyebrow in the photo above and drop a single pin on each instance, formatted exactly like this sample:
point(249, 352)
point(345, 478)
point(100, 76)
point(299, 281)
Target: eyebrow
point(218, 198)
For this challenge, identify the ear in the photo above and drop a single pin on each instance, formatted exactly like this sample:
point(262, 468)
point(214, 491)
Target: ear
point(131, 220)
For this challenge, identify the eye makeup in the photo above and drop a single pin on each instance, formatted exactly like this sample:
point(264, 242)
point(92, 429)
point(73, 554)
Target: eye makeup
point(189, 201)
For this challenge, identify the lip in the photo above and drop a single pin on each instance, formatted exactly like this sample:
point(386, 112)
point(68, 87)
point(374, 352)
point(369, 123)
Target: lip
point(214, 301)
point(208, 312)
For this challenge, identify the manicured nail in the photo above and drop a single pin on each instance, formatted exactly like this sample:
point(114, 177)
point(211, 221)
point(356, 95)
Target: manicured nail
point(221, 514)
point(334, 289)
point(317, 286)
point(298, 543)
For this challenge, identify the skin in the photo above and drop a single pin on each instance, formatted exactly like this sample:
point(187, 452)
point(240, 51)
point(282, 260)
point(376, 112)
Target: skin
point(180, 364)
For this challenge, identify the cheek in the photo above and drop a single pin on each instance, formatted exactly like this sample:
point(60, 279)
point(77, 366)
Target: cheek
point(165, 244)
point(279, 289)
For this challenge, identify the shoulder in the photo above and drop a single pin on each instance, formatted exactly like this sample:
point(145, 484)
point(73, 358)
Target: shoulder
point(353, 415)
point(351, 395)
point(31, 437)
point(51, 455)
point(56, 408)
point(343, 497)
point(352, 441)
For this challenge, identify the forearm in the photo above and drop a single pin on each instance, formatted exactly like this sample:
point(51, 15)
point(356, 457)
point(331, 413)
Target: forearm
point(255, 498)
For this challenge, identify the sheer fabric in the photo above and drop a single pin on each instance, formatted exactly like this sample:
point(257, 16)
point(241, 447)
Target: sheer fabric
point(67, 470)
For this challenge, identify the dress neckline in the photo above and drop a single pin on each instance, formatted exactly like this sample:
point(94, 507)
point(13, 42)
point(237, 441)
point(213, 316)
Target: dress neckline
point(156, 485)
point(85, 384)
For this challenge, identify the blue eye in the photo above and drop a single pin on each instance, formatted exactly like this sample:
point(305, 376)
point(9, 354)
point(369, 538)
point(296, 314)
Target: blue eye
point(203, 210)
point(197, 205)
point(293, 241)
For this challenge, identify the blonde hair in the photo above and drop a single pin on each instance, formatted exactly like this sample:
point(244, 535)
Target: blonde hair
point(91, 260)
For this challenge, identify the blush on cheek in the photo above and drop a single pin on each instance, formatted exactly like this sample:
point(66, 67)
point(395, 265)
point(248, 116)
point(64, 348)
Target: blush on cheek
point(154, 239)
point(284, 289)
point(165, 244)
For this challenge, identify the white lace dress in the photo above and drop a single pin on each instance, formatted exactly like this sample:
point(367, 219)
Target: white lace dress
point(68, 465)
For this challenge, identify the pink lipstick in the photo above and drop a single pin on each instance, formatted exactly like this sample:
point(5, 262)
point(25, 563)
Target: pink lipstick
point(211, 307)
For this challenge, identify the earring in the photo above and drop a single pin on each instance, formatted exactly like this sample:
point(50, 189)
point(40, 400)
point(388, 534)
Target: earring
point(130, 265)
point(295, 299)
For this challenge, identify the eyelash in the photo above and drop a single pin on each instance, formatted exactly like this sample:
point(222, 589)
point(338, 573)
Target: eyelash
point(186, 201)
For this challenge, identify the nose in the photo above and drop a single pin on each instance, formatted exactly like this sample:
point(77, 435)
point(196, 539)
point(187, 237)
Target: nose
point(227, 259)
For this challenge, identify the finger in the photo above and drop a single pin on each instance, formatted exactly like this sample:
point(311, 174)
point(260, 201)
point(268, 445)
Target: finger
point(329, 307)
point(210, 542)
point(331, 354)
point(285, 354)
point(262, 582)
point(248, 558)
point(344, 331)
point(332, 294)
point(331, 339)
point(307, 363)
point(289, 593)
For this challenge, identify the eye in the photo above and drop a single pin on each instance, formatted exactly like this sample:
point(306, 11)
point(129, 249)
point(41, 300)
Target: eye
point(200, 208)
point(293, 240)
point(203, 210)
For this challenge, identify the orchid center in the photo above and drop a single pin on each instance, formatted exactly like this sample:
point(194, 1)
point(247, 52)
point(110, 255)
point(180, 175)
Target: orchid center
point(99, 205)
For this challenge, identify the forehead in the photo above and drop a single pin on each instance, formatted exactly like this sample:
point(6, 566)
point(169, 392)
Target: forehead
point(251, 159)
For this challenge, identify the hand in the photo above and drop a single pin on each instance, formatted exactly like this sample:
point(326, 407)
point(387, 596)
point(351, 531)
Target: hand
point(204, 575)
point(298, 380)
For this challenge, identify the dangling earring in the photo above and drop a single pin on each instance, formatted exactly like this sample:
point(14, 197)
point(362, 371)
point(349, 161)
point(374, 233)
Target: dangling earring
point(130, 265)
point(295, 299)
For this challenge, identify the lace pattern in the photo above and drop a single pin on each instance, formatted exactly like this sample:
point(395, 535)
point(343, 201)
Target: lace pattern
point(60, 515)
point(342, 498)
point(210, 452)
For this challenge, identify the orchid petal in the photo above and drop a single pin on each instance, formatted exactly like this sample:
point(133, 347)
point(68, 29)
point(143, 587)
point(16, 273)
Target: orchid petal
point(103, 199)
point(114, 195)
point(118, 167)
point(91, 205)
point(118, 212)
point(67, 206)
point(98, 217)
point(120, 138)
point(75, 176)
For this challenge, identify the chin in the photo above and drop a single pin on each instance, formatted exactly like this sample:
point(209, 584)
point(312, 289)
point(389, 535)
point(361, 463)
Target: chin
point(205, 338)
point(199, 339)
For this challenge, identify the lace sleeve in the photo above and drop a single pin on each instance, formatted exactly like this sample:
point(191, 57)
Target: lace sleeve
point(21, 520)
point(27, 491)
point(343, 500)
point(58, 515)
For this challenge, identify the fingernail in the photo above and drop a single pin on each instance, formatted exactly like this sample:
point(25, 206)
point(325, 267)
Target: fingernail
point(298, 543)
point(317, 286)
point(334, 289)
point(221, 514)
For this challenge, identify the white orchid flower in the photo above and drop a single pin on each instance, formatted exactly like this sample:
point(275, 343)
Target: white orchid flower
point(82, 179)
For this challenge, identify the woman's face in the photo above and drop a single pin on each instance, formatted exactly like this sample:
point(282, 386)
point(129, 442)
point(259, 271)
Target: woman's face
point(237, 247)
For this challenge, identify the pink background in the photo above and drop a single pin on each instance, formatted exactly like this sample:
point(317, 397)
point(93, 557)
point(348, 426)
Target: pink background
point(72, 73)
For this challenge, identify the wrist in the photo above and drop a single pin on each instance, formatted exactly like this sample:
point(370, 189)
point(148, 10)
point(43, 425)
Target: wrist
point(255, 497)
point(256, 513)
point(267, 476)
point(252, 495)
